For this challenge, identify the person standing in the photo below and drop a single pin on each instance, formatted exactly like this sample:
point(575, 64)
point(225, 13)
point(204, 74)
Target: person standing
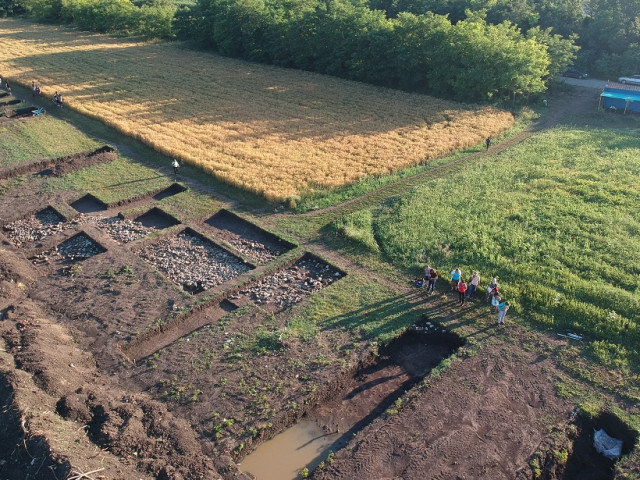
point(425, 275)
point(492, 288)
point(462, 290)
point(455, 278)
point(503, 308)
point(474, 281)
point(433, 276)
point(488, 142)
point(495, 302)
point(176, 166)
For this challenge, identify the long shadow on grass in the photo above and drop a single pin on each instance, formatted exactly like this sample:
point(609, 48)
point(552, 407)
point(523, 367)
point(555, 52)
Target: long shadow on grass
point(380, 319)
point(135, 181)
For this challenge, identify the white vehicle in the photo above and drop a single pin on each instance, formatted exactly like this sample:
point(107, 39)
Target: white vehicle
point(632, 80)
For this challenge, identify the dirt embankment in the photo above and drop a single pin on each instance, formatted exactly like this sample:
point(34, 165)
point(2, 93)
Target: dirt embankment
point(53, 390)
point(59, 166)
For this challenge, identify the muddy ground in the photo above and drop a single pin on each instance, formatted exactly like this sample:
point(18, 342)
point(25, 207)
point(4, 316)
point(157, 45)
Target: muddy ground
point(115, 366)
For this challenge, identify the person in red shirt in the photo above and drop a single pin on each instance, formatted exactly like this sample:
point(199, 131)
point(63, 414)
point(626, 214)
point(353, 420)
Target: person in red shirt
point(462, 290)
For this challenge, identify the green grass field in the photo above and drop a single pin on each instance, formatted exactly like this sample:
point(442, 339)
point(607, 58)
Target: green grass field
point(45, 137)
point(554, 218)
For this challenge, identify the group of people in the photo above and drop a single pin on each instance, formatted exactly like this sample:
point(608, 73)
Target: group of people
point(57, 98)
point(467, 289)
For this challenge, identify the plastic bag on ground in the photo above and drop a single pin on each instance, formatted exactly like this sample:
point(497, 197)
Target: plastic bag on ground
point(608, 446)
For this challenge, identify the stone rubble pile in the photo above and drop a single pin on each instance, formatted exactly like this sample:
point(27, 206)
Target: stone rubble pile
point(292, 285)
point(193, 262)
point(257, 251)
point(79, 247)
point(124, 231)
point(47, 222)
point(35, 228)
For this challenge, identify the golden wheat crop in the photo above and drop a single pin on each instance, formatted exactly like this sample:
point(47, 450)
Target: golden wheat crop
point(269, 130)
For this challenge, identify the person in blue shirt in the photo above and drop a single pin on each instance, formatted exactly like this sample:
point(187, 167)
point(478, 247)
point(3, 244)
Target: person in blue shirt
point(503, 308)
point(455, 278)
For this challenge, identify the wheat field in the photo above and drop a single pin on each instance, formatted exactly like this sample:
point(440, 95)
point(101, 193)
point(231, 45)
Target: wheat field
point(272, 131)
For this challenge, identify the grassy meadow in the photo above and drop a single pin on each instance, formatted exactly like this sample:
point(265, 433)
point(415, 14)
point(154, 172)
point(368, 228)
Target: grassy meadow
point(21, 140)
point(276, 132)
point(555, 218)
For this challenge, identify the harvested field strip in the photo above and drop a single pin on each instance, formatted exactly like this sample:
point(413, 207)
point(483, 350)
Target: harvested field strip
point(60, 166)
point(248, 238)
point(41, 137)
point(288, 285)
point(343, 130)
point(193, 261)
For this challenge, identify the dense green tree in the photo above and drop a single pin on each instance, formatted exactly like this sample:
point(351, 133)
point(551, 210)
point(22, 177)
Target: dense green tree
point(9, 8)
point(562, 51)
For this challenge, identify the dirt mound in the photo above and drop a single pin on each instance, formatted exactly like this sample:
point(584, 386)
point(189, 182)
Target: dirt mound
point(150, 441)
point(23, 455)
point(60, 166)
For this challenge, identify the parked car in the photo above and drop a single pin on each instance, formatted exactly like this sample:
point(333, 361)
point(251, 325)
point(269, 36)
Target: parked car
point(573, 72)
point(632, 80)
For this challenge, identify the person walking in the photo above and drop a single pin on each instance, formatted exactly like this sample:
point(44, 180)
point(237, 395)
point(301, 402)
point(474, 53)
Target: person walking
point(455, 278)
point(462, 290)
point(503, 308)
point(488, 142)
point(176, 166)
point(433, 276)
point(474, 281)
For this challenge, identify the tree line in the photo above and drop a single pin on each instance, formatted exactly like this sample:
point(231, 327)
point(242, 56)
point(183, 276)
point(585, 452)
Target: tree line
point(472, 50)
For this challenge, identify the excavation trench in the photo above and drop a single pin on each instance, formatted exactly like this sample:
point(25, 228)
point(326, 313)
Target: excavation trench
point(373, 390)
point(275, 292)
point(584, 461)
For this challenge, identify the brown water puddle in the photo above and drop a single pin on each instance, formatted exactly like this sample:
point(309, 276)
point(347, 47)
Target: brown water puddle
point(371, 392)
point(282, 457)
